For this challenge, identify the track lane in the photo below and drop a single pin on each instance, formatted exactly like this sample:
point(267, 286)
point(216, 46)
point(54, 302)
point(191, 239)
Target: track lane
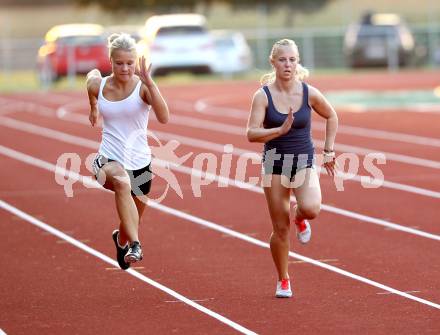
point(377, 195)
point(406, 173)
point(231, 292)
point(214, 202)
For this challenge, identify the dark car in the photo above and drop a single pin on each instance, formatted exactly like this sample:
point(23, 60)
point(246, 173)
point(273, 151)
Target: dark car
point(379, 40)
point(73, 49)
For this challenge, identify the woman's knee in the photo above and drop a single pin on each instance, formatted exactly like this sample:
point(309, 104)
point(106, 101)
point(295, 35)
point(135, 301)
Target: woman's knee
point(282, 231)
point(310, 211)
point(121, 184)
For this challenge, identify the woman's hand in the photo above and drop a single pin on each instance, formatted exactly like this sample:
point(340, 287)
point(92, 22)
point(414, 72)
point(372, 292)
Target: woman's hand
point(93, 117)
point(144, 73)
point(330, 163)
point(287, 124)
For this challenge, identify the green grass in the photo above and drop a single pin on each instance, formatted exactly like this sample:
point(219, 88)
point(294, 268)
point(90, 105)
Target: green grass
point(24, 81)
point(27, 81)
point(18, 81)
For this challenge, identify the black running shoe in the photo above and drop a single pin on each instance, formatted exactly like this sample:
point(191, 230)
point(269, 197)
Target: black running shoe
point(120, 252)
point(134, 253)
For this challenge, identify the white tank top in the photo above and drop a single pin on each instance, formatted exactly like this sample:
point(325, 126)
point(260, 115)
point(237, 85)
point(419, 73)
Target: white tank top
point(124, 133)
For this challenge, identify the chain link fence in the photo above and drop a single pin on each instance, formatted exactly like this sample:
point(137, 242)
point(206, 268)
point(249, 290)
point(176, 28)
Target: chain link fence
point(323, 48)
point(319, 48)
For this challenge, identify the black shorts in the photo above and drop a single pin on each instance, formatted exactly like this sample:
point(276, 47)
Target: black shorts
point(288, 168)
point(289, 173)
point(140, 179)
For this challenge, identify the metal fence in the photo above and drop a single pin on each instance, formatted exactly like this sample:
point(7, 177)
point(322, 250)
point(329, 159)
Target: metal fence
point(319, 48)
point(19, 53)
point(324, 47)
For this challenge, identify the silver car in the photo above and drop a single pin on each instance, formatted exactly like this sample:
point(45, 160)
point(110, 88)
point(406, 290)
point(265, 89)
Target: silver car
point(233, 52)
point(379, 40)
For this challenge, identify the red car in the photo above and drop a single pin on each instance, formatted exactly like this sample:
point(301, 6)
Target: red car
point(73, 49)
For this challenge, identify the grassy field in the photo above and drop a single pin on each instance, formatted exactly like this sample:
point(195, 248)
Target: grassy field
point(22, 81)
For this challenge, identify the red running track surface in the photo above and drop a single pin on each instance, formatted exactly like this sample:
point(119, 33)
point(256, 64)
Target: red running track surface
point(51, 286)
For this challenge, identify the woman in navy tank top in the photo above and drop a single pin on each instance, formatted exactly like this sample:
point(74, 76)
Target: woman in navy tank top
point(280, 118)
point(122, 165)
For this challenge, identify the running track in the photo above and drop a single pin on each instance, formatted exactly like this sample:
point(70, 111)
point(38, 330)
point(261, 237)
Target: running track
point(372, 265)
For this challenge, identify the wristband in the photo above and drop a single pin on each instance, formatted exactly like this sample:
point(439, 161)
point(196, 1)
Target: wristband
point(329, 153)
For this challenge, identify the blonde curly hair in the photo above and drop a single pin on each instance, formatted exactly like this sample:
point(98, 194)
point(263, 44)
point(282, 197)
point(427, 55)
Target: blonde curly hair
point(120, 41)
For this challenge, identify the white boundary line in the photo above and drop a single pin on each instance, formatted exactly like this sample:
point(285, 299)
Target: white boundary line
point(44, 226)
point(239, 151)
point(72, 117)
point(235, 130)
point(89, 182)
point(54, 134)
point(203, 107)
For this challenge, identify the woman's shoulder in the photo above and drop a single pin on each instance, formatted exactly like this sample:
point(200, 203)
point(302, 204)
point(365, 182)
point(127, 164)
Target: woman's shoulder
point(311, 88)
point(94, 83)
point(260, 93)
point(315, 94)
point(260, 97)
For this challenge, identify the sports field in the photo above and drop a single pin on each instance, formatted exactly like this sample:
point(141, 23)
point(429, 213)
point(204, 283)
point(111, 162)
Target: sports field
point(372, 266)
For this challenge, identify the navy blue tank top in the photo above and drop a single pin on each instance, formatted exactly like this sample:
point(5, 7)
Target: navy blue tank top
point(298, 140)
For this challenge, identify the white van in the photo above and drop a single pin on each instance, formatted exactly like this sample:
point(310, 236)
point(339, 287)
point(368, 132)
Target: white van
point(178, 42)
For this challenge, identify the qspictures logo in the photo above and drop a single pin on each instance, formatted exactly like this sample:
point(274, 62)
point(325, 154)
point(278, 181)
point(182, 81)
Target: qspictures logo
point(208, 168)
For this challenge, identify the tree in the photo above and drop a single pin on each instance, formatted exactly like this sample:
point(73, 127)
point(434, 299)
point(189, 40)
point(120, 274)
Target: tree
point(292, 6)
point(136, 5)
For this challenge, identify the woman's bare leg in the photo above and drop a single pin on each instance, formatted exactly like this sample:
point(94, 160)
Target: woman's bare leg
point(278, 200)
point(308, 195)
point(141, 203)
point(117, 180)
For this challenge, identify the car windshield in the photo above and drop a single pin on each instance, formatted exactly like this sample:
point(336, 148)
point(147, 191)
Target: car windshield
point(80, 40)
point(377, 31)
point(180, 30)
point(224, 42)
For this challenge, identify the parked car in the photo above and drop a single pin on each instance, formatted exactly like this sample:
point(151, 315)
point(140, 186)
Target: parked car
point(178, 42)
point(233, 52)
point(378, 40)
point(73, 48)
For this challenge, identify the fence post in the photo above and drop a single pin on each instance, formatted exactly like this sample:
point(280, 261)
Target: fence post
point(262, 48)
point(71, 64)
point(392, 53)
point(433, 45)
point(309, 50)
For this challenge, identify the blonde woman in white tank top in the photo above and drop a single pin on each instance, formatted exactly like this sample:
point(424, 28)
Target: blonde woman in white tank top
point(124, 100)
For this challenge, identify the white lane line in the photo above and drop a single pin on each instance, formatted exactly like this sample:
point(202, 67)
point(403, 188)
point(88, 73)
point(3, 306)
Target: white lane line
point(89, 182)
point(239, 151)
point(51, 133)
point(134, 273)
point(54, 134)
point(292, 254)
point(328, 208)
point(235, 130)
point(202, 106)
point(385, 293)
point(384, 135)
